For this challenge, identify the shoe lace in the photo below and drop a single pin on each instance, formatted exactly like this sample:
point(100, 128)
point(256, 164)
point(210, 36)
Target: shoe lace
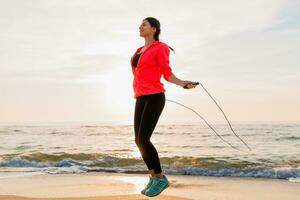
point(149, 183)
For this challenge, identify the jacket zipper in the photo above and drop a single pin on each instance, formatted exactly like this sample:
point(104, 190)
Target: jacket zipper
point(143, 54)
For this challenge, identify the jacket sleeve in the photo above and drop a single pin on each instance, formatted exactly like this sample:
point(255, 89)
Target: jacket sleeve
point(163, 61)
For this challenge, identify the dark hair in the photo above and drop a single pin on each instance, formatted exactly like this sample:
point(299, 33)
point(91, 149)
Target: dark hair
point(156, 24)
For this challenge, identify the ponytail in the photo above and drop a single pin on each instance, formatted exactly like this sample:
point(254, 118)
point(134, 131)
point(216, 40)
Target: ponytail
point(156, 24)
point(171, 49)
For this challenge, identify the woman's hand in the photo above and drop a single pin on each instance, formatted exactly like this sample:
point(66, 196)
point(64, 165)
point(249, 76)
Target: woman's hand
point(184, 84)
point(189, 84)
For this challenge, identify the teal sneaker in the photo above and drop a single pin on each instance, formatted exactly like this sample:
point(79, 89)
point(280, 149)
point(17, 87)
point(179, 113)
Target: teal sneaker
point(148, 185)
point(157, 186)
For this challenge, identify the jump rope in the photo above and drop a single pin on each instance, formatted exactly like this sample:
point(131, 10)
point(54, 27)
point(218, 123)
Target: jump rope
point(197, 83)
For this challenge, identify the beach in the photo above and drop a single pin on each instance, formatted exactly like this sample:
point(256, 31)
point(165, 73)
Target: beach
point(85, 161)
point(114, 186)
point(72, 126)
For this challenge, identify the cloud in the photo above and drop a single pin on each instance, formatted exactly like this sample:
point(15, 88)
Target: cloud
point(91, 68)
point(241, 50)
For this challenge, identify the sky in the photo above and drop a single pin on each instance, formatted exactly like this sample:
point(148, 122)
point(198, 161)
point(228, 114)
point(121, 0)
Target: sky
point(69, 61)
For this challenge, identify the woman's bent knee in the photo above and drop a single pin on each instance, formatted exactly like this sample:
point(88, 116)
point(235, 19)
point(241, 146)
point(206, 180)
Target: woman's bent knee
point(141, 142)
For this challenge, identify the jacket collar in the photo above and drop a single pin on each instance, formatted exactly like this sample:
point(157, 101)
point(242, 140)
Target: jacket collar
point(153, 44)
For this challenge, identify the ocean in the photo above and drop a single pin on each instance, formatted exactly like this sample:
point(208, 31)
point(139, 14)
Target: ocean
point(183, 149)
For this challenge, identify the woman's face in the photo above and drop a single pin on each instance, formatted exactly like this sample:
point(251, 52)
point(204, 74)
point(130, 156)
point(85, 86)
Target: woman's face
point(146, 30)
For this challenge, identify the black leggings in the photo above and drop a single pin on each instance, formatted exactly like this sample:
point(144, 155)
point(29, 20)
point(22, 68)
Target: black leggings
point(147, 112)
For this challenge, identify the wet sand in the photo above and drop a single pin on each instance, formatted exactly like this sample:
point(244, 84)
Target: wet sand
point(115, 186)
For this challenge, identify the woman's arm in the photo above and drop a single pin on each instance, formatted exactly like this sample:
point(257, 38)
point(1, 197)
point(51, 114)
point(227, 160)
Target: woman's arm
point(182, 83)
point(163, 60)
point(175, 80)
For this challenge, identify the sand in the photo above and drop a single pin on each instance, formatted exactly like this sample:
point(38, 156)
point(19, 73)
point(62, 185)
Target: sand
point(115, 186)
point(115, 197)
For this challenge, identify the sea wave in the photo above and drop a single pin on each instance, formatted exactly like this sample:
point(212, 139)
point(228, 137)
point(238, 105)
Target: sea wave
point(177, 165)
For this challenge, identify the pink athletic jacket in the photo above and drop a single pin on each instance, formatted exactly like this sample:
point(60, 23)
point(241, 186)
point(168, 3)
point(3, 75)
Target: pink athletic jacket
point(152, 64)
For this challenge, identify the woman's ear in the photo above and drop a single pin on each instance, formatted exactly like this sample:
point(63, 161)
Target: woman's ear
point(154, 29)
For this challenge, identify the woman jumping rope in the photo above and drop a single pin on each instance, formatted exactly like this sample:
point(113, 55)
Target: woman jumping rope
point(148, 64)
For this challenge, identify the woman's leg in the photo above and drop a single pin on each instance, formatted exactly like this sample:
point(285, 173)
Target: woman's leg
point(148, 112)
point(140, 105)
